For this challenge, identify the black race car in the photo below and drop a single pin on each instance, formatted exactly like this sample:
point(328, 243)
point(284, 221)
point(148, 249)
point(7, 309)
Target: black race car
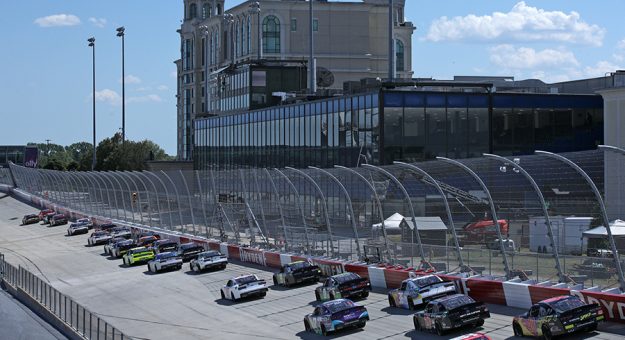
point(449, 312)
point(297, 272)
point(189, 251)
point(556, 316)
point(345, 285)
point(164, 245)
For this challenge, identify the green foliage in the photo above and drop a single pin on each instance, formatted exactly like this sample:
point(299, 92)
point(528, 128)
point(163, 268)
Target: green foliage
point(111, 154)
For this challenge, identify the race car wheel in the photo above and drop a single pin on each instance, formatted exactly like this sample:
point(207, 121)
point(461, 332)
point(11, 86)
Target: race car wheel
point(232, 296)
point(275, 281)
point(547, 333)
point(179, 267)
point(125, 264)
point(417, 325)
point(323, 330)
point(263, 294)
point(362, 324)
point(439, 329)
point(306, 326)
point(317, 297)
point(331, 295)
point(479, 323)
point(592, 327)
point(391, 301)
point(223, 266)
point(365, 295)
point(410, 304)
point(223, 297)
point(516, 328)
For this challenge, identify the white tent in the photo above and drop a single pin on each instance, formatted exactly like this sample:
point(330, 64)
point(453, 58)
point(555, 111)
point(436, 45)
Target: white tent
point(617, 227)
point(395, 222)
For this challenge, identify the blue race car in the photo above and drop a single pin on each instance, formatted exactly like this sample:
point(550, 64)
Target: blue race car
point(336, 315)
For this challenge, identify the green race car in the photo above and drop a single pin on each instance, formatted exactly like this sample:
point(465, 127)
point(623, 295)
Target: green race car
point(138, 255)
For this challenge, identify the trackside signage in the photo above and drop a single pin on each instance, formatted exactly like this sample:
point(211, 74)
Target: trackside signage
point(613, 305)
point(253, 256)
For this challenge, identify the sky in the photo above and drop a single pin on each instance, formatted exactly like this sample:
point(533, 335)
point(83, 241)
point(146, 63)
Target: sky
point(45, 64)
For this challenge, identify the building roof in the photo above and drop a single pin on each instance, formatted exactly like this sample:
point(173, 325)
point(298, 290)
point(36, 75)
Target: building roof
point(424, 223)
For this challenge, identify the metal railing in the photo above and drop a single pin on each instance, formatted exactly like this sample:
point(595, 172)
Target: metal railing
point(84, 322)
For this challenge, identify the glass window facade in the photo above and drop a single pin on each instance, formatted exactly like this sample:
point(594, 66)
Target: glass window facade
point(381, 127)
point(271, 34)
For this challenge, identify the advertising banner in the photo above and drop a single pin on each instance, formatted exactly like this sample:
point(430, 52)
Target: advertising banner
point(31, 156)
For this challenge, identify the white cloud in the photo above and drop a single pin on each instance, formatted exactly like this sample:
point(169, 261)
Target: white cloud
point(153, 98)
point(512, 57)
point(173, 74)
point(98, 22)
point(162, 88)
point(108, 96)
point(601, 68)
point(523, 24)
point(130, 79)
point(57, 20)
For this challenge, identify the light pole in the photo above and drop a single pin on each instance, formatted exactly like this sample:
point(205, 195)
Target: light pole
point(120, 33)
point(311, 59)
point(92, 45)
point(255, 8)
point(205, 31)
point(229, 20)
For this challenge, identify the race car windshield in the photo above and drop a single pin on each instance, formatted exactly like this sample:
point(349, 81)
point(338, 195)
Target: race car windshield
point(567, 304)
point(339, 306)
point(299, 265)
point(245, 279)
point(166, 255)
point(428, 280)
point(342, 278)
point(457, 301)
point(209, 254)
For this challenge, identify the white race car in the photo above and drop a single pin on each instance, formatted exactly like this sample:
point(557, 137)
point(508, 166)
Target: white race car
point(98, 237)
point(418, 290)
point(208, 260)
point(86, 221)
point(77, 228)
point(244, 286)
point(165, 261)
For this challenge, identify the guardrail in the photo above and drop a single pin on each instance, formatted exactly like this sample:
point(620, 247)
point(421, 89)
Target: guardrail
point(58, 309)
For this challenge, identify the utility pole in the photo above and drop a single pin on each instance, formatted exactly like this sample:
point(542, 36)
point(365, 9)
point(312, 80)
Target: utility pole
point(311, 59)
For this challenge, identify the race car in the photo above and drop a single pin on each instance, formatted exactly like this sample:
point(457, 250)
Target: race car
point(335, 315)
point(77, 228)
point(297, 272)
point(244, 286)
point(121, 232)
point(138, 255)
point(57, 219)
point(189, 251)
point(450, 312)
point(98, 237)
point(45, 212)
point(165, 245)
point(343, 286)
point(109, 245)
point(208, 260)
point(30, 219)
point(147, 241)
point(165, 261)
point(120, 248)
point(47, 216)
point(556, 316)
point(418, 290)
point(106, 227)
point(86, 221)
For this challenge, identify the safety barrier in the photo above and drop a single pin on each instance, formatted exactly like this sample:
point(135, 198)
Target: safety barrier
point(489, 289)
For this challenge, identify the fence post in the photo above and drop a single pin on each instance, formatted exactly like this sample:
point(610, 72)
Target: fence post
point(1, 266)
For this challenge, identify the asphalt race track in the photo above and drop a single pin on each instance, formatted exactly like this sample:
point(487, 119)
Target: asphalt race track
point(183, 305)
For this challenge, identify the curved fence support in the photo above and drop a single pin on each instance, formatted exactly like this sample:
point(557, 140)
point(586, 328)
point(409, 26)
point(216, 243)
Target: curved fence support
point(140, 176)
point(604, 214)
point(171, 219)
point(130, 191)
point(112, 189)
point(199, 185)
point(492, 209)
point(325, 205)
point(178, 201)
point(377, 201)
point(349, 206)
point(299, 205)
point(275, 190)
point(415, 230)
point(415, 169)
point(190, 201)
point(543, 206)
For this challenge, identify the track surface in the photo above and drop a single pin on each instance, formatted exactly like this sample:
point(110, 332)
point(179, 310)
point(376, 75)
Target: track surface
point(182, 305)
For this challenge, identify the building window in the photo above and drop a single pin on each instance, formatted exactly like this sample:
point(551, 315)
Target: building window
point(236, 39)
point(206, 11)
point(192, 11)
point(218, 9)
point(271, 34)
point(315, 25)
point(249, 34)
point(187, 55)
point(293, 25)
point(399, 55)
